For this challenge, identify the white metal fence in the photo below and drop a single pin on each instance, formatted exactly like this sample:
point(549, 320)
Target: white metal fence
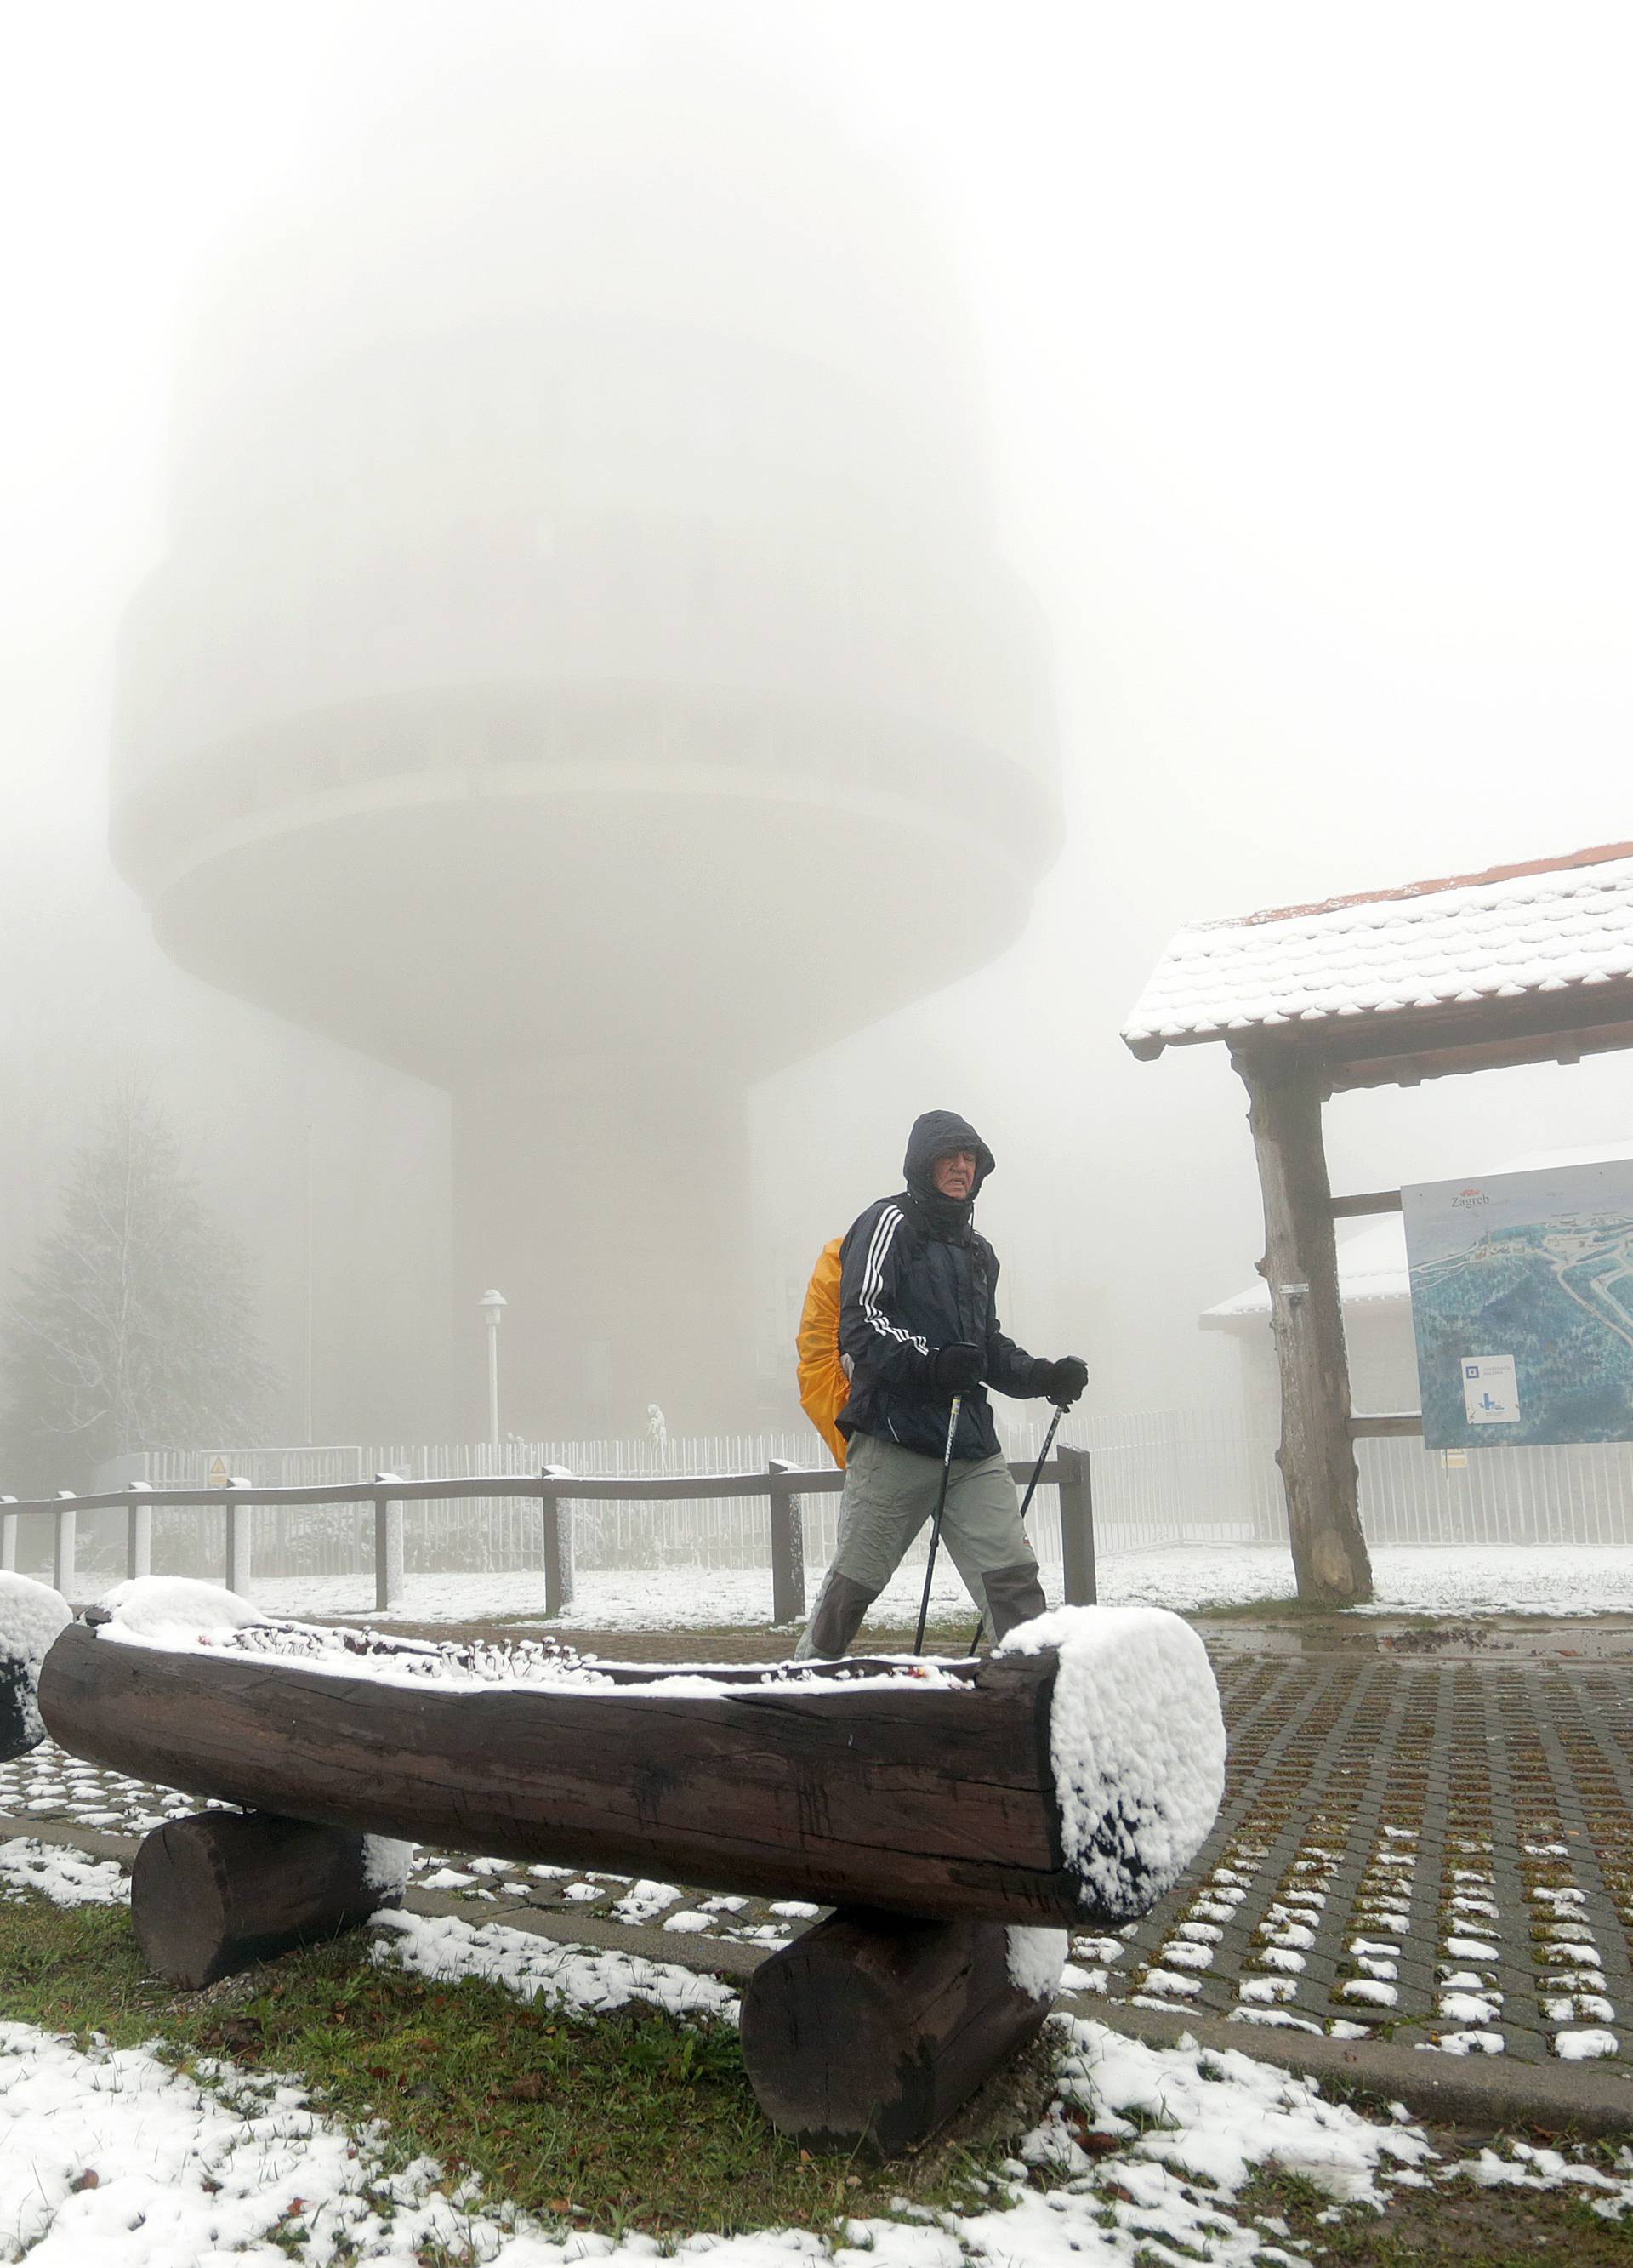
point(1582, 1493)
point(1159, 1478)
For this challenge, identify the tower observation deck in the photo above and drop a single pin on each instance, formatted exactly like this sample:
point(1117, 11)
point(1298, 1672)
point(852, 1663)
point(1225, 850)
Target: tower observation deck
point(581, 673)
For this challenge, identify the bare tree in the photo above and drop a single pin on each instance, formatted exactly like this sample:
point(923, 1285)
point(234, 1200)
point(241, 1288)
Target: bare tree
point(135, 1328)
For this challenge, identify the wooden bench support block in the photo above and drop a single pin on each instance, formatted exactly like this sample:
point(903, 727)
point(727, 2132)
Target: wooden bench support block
point(872, 2029)
point(214, 1893)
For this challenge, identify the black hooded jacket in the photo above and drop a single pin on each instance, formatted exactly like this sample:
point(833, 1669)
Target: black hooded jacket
point(917, 1277)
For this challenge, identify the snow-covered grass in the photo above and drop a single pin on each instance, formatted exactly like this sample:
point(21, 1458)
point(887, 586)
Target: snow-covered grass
point(112, 2154)
point(113, 2151)
point(63, 1876)
point(141, 2153)
point(1428, 1579)
point(573, 1977)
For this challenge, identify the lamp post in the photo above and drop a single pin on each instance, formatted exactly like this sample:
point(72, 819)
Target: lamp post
point(493, 1305)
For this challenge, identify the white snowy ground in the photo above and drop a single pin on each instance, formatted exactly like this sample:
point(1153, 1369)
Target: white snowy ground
point(1462, 1580)
point(113, 2154)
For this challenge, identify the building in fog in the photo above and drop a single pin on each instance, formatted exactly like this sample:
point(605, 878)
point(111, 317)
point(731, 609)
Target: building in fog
point(582, 673)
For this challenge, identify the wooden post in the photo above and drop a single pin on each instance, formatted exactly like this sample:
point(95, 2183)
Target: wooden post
point(871, 2029)
point(211, 1894)
point(1079, 1587)
point(139, 1534)
point(787, 1546)
point(8, 1538)
point(1300, 1265)
point(237, 1550)
point(558, 1542)
point(63, 1557)
point(388, 1550)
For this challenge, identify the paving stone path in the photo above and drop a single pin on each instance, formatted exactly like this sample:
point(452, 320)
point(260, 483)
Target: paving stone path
point(1439, 1852)
point(1436, 1852)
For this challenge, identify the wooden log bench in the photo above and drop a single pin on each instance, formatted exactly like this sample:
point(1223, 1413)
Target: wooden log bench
point(925, 1804)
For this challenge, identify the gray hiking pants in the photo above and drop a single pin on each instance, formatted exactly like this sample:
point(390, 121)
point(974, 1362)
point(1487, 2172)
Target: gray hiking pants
point(889, 1494)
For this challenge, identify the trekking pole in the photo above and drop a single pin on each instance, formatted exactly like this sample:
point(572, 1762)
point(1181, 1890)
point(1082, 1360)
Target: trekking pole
point(935, 1528)
point(1025, 1502)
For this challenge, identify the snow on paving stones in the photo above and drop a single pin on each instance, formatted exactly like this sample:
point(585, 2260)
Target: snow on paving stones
point(1572, 1984)
point(50, 1783)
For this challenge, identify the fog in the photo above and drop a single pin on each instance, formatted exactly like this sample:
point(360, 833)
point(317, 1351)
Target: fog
point(1282, 357)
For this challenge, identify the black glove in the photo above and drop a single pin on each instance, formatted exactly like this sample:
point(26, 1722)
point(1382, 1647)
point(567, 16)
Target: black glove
point(1062, 1381)
point(956, 1369)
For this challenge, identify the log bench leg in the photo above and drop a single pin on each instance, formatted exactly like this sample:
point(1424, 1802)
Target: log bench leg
point(872, 2029)
point(217, 1892)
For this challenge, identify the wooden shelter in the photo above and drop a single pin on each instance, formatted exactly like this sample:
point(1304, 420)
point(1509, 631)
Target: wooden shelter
point(1523, 964)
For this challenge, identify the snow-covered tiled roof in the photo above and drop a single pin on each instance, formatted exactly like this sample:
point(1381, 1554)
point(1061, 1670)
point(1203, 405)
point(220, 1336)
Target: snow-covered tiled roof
point(1541, 928)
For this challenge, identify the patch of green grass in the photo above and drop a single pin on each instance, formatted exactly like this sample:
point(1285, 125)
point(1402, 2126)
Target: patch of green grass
point(631, 2119)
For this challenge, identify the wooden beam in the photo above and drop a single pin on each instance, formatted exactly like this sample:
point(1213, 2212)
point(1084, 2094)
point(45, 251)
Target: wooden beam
point(1080, 1577)
point(1387, 1425)
point(869, 2032)
point(1301, 1268)
point(1369, 1201)
point(214, 1894)
point(1403, 1046)
point(787, 1546)
point(1452, 1036)
point(1460, 1062)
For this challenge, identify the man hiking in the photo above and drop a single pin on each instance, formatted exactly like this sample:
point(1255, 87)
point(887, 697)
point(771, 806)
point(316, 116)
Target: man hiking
point(918, 1324)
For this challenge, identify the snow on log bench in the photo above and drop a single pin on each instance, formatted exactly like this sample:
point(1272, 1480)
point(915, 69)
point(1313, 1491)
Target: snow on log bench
point(31, 1616)
point(956, 1814)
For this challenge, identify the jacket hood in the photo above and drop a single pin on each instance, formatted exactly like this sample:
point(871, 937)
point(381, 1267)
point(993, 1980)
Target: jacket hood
point(933, 1135)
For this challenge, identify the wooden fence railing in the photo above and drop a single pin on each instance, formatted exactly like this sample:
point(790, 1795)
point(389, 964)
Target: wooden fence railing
point(782, 1484)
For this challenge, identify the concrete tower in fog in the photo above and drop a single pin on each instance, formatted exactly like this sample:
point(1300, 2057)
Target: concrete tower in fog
point(581, 673)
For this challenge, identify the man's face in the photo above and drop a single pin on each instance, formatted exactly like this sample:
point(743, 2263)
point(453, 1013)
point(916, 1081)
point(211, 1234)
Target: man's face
point(954, 1173)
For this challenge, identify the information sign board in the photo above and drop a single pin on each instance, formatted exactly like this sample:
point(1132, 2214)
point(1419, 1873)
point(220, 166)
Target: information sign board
point(1522, 1303)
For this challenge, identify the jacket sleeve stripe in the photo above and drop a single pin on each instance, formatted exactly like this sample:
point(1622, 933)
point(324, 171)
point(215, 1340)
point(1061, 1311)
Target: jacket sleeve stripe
point(873, 1277)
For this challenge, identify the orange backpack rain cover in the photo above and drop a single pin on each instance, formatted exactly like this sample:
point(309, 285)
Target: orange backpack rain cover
point(824, 1388)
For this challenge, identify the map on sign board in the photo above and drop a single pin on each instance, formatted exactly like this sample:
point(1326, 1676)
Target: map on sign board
point(1522, 1303)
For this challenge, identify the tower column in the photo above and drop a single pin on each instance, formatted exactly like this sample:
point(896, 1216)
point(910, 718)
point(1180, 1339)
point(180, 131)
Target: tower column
point(610, 1203)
